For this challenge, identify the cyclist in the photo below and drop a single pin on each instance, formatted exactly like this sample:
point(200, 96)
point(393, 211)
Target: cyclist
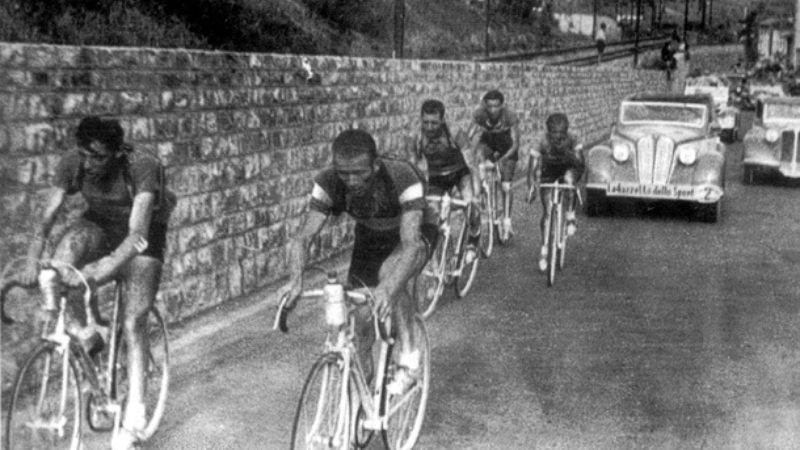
point(495, 136)
point(438, 154)
point(121, 234)
point(395, 233)
point(554, 154)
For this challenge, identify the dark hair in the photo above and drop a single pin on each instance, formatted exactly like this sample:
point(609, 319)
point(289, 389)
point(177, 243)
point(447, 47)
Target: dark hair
point(557, 119)
point(354, 143)
point(603, 25)
point(108, 132)
point(494, 94)
point(433, 107)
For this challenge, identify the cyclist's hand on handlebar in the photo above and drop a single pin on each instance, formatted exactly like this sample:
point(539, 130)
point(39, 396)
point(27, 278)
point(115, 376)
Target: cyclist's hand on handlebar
point(383, 303)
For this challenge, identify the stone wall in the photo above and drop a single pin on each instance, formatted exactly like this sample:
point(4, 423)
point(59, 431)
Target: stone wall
point(242, 135)
point(715, 59)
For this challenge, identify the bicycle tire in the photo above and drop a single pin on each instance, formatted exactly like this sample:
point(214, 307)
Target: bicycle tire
point(432, 280)
point(552, 251)
point(38, 394)
point(500, 213)
point(405, 414)
point(487, 224)
point(562, 246)
point(322, 408)
point(157, 376)
point(466, 272)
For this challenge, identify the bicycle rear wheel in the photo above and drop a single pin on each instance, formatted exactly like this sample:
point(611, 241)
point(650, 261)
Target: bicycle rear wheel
point(431, 281)
point(45, 409)
point(487, 223)
point(323, 413)
point(467, 271)
point(156, 372)
point(405, 413)
point(552, 244)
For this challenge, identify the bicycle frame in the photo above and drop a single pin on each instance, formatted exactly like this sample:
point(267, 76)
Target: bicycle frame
point(448, 205)
point(555, 218)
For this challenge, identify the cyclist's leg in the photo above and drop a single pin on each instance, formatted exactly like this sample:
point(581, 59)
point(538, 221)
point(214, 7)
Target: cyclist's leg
point(507, 177)
point(140, 278)
point(465, 186)
point(83, 242)
point(571, 177)
point(405, 309)
point(544, 196)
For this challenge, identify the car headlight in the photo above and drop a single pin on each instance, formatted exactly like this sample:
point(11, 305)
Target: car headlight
point(687, 155)
point(772, 135)
point(621, 151)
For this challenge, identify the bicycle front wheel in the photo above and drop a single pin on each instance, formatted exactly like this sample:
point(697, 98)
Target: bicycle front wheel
point(431, 281)
point(552, 251)
point(405, 413)
point(487, 224)
point(45, 410)
point(503, 233)
point(467, 269)
point(156, 371)
point(322, 420)
point(562, 245)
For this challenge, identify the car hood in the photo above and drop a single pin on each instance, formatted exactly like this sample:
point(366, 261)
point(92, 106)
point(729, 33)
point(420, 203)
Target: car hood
point(677, 133)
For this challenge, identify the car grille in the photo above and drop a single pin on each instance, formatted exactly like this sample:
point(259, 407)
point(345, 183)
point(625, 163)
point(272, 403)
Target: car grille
point(654, 159)
point(788, 144)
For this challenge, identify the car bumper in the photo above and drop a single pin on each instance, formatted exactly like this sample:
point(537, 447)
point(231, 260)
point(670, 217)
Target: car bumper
point(706, 193)
point(787, 169)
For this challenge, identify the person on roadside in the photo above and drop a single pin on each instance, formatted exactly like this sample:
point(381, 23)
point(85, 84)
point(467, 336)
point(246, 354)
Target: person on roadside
point(122, 235)
point(494, 133)
point(395, 234)
point(442, 157)
point(600, 40)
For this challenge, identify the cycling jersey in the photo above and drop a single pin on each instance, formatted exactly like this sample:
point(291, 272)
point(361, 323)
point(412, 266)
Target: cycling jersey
point(556, 161)
point(446, 163)
point(496, 135)
point(109, 199)
point(395, 188)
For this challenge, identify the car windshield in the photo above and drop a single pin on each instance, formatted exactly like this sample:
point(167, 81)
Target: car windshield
point(782, 111)
point(663, 112)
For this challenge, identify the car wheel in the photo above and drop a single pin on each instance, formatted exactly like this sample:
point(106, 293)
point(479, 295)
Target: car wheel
point(596, 203)
point(710, 213)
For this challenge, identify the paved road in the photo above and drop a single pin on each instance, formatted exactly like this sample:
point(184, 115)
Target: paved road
point(661, 333)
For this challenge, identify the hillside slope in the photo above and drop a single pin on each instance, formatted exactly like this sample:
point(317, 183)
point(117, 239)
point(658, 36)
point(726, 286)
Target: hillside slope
point(433, 29)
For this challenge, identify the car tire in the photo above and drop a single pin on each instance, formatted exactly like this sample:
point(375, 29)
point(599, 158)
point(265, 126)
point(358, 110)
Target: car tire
point(710, 213)
point(748, 175)
point(596, 203)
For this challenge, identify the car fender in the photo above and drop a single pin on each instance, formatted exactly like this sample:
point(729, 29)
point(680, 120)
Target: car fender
point(599, 164)
point(710, 169)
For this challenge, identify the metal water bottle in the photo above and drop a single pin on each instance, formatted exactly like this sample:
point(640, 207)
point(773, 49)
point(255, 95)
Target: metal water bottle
point(335, 307)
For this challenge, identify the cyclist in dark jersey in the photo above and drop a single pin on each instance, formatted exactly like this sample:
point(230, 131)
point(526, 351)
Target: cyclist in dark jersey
point(495, 130)
point(439, 155)
point(555, 154)
point(394, 237)
point(122, 234)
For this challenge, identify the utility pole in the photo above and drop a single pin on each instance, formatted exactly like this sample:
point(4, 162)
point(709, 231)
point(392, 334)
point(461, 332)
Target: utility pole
point(796, 41)
point(703, 5)
point(399, 27)
point(636, 45)
point(488, 22)
point(594, 20)
point(685, 19)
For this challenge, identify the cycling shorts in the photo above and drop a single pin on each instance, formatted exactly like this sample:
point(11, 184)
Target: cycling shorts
point(491, 143)
point(113, 235)
point(372, 248)
point(552, 172)
point(438, 185)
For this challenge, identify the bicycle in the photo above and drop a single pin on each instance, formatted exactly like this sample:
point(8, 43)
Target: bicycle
point(449, 264)
point(555, 234)
point(337, 408)
point(492, 208)
point(47, 404)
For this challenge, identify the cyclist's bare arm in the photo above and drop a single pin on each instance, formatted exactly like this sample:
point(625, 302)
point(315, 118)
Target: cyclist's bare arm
point(56, 197)
point(514, 150)
point(134, 243)
point(313, 223)
point(410, 260)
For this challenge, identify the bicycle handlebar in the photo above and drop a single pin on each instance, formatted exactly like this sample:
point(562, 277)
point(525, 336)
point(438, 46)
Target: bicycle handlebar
point(49, 264)
point(453, 200)
point(557, 186)
point(381, 325)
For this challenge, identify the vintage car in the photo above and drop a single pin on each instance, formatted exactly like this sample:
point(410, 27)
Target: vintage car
point(771, 145)
point(719, 88)
point(763, 89)
point(661, 147)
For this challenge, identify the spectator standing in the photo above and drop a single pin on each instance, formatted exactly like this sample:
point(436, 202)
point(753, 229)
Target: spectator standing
point(600, 38)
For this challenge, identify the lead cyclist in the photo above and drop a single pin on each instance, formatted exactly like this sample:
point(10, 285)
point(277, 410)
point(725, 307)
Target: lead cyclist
point(555, 154)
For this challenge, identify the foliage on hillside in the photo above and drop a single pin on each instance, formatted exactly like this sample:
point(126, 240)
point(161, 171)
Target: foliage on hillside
point(433, 29)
